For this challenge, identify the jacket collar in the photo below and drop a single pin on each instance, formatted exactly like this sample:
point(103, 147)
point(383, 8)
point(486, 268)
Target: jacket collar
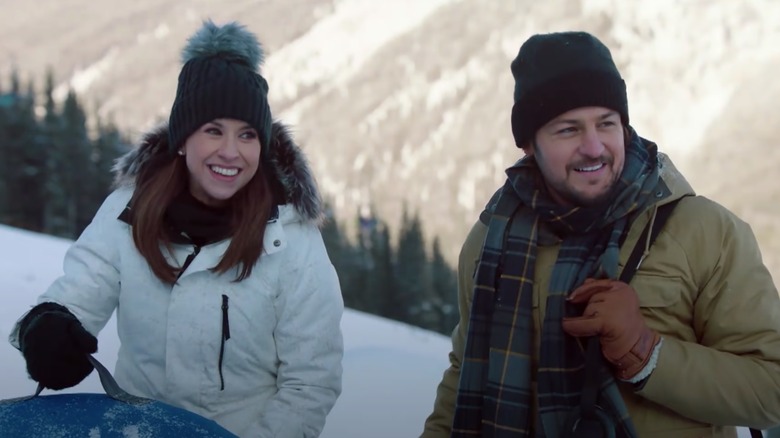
point(673, 179)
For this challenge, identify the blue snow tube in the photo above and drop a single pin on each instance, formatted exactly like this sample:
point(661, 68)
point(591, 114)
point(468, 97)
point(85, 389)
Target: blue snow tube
point(114, 414)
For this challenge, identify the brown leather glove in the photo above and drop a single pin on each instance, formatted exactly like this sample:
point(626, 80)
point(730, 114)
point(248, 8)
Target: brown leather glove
point(613, 314)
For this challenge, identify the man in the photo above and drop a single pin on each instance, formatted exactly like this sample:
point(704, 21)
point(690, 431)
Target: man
point(689, 347)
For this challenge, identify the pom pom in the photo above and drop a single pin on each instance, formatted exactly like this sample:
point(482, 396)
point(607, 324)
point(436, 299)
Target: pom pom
point(231, 41)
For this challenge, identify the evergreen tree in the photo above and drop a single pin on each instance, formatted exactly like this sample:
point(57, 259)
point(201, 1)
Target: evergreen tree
point(342, 256)
point(8, 151)
point(56, 218)
point(357, 269)
point(445, 290)
point(21, 155)
point(357, 276)
point(108, 146)
point(410, 302)
point(331, 235)
point(16, 86)
point(33, 157)
point(401, 284)
point(79, 170)
point(5, 104)
point(384, 286)
point(377, 279)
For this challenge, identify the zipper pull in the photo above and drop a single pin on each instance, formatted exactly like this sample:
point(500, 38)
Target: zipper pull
point(225, 320)
point(225, 337)
point(188, 260)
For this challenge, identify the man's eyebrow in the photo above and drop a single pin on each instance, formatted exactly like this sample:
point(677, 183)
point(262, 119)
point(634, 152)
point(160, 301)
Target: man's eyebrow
point(575, 121)
point(607, 115)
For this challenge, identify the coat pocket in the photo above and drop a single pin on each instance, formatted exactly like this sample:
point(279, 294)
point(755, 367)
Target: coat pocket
point(657, 291)
point(666, 304)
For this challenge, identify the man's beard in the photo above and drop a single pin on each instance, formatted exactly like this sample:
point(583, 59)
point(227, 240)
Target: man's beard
point(578, 200)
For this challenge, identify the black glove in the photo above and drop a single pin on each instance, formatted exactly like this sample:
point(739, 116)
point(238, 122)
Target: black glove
point(55, 346)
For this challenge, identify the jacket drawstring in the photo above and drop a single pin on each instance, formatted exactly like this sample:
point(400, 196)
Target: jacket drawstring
point(648, 239)
point(225, 337)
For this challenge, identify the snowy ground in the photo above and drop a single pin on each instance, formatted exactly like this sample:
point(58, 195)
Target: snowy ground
point(390, 369)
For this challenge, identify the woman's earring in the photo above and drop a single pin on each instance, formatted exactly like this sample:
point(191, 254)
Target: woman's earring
point(181, 152)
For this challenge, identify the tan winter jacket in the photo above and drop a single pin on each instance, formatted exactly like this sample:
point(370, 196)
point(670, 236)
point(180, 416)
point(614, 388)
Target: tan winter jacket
point(705, 289)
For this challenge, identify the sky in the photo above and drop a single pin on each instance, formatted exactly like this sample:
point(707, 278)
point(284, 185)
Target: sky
point(391, 369)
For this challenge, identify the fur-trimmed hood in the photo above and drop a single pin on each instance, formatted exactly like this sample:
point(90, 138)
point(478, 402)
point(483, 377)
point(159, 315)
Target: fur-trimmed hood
point(287, 166)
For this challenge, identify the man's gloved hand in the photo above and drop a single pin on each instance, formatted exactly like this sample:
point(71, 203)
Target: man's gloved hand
point(612, 313)
point(55, 346)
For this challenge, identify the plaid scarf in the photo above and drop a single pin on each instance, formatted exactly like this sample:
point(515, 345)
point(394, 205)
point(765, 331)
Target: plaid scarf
point(494, 396)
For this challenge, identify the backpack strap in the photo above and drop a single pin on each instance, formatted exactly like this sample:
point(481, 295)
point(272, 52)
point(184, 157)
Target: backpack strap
point(635, 260)
point(637, 255)
point(590, 390)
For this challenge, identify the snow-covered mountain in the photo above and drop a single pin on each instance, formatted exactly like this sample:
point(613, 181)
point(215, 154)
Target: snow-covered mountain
point(409, 101)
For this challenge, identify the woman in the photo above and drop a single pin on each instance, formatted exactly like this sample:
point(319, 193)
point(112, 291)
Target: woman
point(209, 251)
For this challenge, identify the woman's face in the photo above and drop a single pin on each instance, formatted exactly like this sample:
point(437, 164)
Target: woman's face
point(222, 156)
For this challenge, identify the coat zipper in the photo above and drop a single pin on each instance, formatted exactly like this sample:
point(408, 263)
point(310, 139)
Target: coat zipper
point(188, 260)
point(225, 337)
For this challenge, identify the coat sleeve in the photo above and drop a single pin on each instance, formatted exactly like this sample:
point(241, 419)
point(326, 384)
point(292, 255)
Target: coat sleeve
point(731, 376)
point(309, 342)
point(89, 286)
point(439, 422)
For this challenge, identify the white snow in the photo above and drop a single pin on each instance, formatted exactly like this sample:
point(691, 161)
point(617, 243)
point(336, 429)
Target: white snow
point(307, 60)
point(161, 31)
point(390, 369)
point(83, 78)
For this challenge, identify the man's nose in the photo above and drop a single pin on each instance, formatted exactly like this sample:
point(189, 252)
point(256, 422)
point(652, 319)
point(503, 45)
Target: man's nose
point(591, 146)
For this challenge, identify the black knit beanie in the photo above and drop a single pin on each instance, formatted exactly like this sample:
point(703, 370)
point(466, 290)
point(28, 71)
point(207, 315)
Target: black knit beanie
point(558, 72)
point(220, 79)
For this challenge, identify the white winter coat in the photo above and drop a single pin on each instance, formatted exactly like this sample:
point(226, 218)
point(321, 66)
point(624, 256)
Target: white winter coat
point(281, 366)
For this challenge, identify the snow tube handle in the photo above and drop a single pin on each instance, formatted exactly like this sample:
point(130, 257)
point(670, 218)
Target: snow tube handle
point(112, 388)
point(11, 401)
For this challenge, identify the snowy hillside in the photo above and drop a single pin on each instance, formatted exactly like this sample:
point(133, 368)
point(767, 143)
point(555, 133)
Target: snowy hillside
point(390, 369)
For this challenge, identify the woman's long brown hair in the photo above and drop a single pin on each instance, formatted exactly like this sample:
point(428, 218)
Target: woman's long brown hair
point(163, 178)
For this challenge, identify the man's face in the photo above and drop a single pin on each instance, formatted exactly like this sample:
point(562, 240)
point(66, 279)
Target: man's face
point(580, 154)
